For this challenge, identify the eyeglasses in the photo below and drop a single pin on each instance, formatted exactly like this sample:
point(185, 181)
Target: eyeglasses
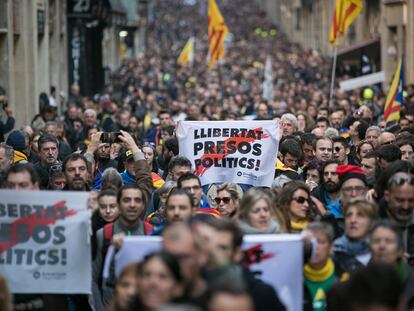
point(226, 200)
point(357, 189)
point(301, 200)
point(399, 181)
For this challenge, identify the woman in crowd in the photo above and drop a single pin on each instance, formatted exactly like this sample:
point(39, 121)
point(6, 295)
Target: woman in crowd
point(159, 282)
point(386, 245)
point(362, 148)
point(227, 200)
point(351, 250)
point(296, 205)
point(256, 215)
point(150, 156)
point(125, 288)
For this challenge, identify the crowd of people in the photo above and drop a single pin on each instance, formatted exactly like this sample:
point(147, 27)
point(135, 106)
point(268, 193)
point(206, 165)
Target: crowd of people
point(344, 178)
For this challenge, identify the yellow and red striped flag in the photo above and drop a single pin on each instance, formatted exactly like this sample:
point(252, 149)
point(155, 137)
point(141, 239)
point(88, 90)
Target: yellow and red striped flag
point(346, 11)
point(394, 100)
point(187, 54)
point(217, 32)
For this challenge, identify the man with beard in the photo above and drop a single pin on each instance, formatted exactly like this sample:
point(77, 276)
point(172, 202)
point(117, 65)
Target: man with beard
point(76, 173)
point(48, 152)
point(398, 205)
point(328, 191)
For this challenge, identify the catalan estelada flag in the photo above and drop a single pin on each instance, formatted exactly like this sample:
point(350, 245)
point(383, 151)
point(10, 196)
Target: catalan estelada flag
point(187, 54)
point(217, 32)
point(346, 11)
point(394, 100)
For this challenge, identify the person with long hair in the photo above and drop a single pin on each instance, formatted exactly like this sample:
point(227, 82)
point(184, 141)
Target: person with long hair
point(362, 149)
point(351, 250)
point(150, 155)
point(256, 213)
point(296, 205)
point(159, 282)
point(227, 200)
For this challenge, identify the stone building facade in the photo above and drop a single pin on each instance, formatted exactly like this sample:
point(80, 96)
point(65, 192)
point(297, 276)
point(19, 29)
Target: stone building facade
point(384, 31)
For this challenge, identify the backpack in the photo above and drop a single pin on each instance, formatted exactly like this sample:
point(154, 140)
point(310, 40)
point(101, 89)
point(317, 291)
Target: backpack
point(108, 232)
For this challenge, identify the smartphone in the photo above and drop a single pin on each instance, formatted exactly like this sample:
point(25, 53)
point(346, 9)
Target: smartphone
point(111, 137)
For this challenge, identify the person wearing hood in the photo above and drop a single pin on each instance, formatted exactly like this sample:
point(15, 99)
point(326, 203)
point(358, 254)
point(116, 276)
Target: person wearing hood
point(17, 140)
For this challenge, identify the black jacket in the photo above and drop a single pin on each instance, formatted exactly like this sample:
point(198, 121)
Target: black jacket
point(264, 296)
point(6, 127)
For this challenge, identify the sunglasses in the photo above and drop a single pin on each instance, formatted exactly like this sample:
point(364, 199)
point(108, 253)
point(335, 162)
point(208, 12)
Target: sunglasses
point(226, 200)
point(301, 200)
point(399, 181)
point(337, 149)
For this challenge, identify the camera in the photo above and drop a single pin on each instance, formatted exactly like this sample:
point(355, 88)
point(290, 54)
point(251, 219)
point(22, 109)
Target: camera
point(111, 137)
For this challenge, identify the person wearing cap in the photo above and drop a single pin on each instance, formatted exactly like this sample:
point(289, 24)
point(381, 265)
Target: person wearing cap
point(353, 182)
point(17, 141)
point(128, 175)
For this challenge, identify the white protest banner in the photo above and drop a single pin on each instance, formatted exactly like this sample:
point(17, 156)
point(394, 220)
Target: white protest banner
point(231, 151)
point(147, 245)
point(45, 241)
point(277, 259)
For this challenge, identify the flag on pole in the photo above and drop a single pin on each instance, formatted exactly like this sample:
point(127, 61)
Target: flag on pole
point(394, 100)
point(268, 80)
point(217, 32)
point(187, 54)
point(346, 11)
